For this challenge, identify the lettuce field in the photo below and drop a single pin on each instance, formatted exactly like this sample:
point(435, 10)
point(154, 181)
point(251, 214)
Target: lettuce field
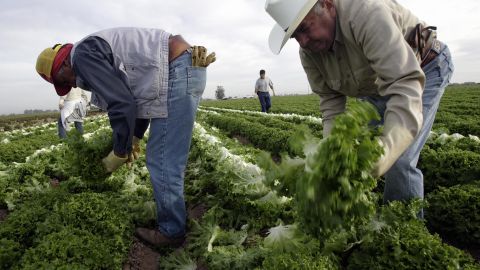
point(264, 191)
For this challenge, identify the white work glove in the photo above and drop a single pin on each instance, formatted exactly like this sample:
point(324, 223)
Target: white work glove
point(135, 154)
point(112, 162)
point(394, 143)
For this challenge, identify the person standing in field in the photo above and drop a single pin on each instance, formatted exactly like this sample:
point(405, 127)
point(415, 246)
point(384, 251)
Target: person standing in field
point(378, 51)
point(261, 89)
point(141, 77)
point(73, 108)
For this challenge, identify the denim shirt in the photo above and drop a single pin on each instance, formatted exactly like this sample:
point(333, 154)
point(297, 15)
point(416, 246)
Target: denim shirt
point(126, 69)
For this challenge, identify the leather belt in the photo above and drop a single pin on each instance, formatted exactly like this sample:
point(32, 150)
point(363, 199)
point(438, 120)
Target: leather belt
point(433, 52)
point(423, 40)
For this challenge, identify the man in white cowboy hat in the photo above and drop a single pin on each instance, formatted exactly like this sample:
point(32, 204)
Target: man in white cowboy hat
point(378, 51)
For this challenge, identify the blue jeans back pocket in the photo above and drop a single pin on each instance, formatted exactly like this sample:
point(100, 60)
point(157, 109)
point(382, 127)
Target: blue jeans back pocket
point(196, 80)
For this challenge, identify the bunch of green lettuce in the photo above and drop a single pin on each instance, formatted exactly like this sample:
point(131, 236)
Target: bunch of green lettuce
point(454, 212)
point(399, 240)
point(332, 186)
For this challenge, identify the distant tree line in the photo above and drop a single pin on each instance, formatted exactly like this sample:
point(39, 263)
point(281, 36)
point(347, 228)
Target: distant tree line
point(465, 83)
point(30, 112)
point(37, 111)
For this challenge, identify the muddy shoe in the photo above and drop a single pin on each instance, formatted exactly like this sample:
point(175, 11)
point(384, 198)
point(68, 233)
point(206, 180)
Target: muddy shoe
point(157, 239)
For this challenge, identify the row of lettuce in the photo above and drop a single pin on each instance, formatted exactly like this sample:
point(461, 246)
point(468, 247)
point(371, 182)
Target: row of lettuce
point(65, 212)
point(87, 221)
point(451, 165)
point(20, 121)
point(458, 112)
point(256, 220)
point(446, 160)
point(18, 144)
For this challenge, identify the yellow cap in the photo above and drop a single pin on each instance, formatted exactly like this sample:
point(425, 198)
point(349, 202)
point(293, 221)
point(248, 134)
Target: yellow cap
point(45, 61)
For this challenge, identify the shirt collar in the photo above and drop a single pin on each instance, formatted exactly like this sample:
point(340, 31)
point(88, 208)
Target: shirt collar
point(338, 34)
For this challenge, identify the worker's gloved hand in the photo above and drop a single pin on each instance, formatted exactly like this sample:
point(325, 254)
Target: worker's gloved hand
point(60, 106)
point(394, 143)
point(112, 162)
point(378, 169)
point(200, 57)
point(135, 154)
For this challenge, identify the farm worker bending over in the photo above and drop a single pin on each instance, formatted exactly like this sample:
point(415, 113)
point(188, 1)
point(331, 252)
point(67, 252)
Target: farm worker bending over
point(73, 108)
point(261, 89)
point(378, 51)
point(140, 75)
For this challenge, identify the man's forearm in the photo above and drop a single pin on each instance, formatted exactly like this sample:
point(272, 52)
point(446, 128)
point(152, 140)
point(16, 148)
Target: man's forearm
point(112, 88)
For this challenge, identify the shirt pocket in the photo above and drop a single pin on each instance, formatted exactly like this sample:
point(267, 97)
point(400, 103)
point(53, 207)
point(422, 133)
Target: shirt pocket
point(364, 80)
point(143, 79)
point(196, 80)
point(334, 84)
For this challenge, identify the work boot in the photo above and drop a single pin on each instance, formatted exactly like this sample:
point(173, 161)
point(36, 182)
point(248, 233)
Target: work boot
point(157, 239)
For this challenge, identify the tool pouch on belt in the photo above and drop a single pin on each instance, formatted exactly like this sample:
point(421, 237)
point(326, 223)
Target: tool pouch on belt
point(424, 43)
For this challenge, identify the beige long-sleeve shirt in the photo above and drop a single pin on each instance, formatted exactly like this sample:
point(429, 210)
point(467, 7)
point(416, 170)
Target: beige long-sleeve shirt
point(370, 56)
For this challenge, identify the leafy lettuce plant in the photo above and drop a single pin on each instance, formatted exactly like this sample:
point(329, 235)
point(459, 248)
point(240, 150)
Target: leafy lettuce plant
point(332, 186)
point(84, 157)
point(454, 212)
point(399, 240)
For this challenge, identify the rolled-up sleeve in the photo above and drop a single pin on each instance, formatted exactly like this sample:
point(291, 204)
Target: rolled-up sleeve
point(332, 103)
point(93, 62)
point(141, 125)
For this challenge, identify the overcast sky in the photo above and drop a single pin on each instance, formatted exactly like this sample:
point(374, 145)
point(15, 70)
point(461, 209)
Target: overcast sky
point(237, 30)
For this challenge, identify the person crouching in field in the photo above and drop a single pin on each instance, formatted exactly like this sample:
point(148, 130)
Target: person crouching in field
point(140, 76)
point(378, 51)
point(73, 108)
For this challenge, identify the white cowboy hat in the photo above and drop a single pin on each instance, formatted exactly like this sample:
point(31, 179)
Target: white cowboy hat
point(288, 14)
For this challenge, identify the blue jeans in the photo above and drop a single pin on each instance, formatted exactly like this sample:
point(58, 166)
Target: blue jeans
point(62, 133)
point(404, 181)
point(264, 98)
point(169, 143)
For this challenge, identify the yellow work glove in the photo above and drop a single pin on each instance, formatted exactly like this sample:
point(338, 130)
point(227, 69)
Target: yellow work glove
point(113, 162)
point(200, 57)
point(135, 154)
